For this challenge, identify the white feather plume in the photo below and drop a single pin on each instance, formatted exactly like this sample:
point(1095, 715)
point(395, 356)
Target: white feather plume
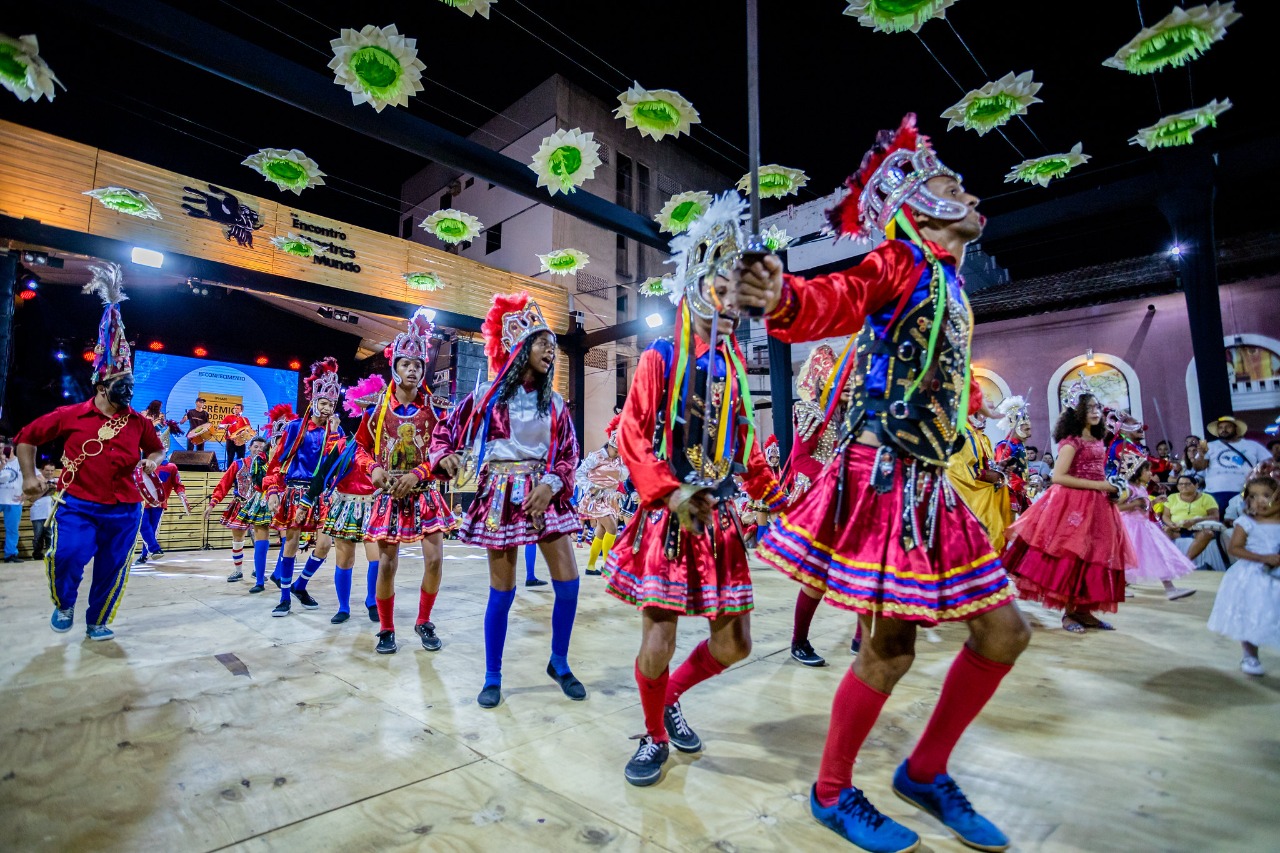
point(728, 207)
point(108, 283)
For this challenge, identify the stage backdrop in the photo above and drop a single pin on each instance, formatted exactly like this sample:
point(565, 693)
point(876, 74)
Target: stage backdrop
point(176, 381)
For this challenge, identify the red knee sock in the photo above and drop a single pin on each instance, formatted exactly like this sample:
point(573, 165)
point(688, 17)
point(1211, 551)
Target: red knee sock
point(805, 608)
point(970, 683)
point(653, 692)
point(853, 712)
point(426, 601)
point(698, 667)
point(386, 613)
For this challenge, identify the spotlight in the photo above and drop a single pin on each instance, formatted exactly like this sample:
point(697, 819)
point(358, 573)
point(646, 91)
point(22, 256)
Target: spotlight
point(295, 365)
point(87, 355)
point(156, 346)
point(66, 394)
point(653, 321)
point(1088, 357)
point(35, 259)
point(261, 361)
point(1175, 251)
point(27, 280)
point(200, 352)
point(60, 355)
point(27, 295)
point(147, 257)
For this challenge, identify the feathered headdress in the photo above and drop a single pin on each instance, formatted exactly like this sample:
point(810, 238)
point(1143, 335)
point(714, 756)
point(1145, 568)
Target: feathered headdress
point(364, 394)
point(278, 417)
point(709, 248)
point(112, 355)
point(611, 431)
point(893, 174)
point(512, 318)
point(1015, 412)
point(323, 382)
point(414, 342)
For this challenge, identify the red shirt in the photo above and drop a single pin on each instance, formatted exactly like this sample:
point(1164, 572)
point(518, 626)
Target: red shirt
point(108, 477)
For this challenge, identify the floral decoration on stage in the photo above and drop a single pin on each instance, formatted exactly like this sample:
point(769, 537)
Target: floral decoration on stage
point(123, 200)
point(377, 65)
point(658, 113)
point(565, 160)
point(471, 7)
point(992, 105)
point(680, 211)
point(1042, 170)
point(289, 170)
point(775, 238)
point(657, 286)
point(452, 226)
point(1178, 129)
point(563, 261)
point(775, 181)
point(298, 246)
point(23, 72)
point(896, 16)
point(423, 281)
point(1176, 39)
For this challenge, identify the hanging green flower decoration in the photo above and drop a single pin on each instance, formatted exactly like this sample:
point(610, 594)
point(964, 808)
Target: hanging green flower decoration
point(563, 261)
point(299, 247)
point(656, 114)
point(656, 286)
point(452, 226)
point(565, 160)
point(23, 72)
point(428, 281)
point(775, 181)
point(1179, 128)
point(126, 201)
point(985, 109)
point(471, 7)
point(378, 66)
point(1178, 38)
point(680, 211)
point(775, 238)
point(1042, 170)
point(289, 170)
point(896, 16)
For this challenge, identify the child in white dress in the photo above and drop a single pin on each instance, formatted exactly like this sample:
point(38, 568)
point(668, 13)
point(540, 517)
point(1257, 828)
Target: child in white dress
point(1248, 605)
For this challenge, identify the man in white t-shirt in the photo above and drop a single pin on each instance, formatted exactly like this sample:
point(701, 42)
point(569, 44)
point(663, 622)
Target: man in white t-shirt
point(41, 509)
point(1227, 461)
point(10, 500)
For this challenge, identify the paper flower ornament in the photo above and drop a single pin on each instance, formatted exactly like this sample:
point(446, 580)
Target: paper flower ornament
point(452, 226)
point(1176, 39)
point(656, 286)
point(299, 247)
point(423, 281)
point(985, 109)
point(1179, 128)
point(289, 170)
point(656, 114)
point(680, 211)
point(775, 181)
point(1042, 170)
point(23, 72)
point(563, 261)
point(565, 160)
point(895, 16)
point(128, 201)
point(775, 238)
point(471, 7)
point(378, 66)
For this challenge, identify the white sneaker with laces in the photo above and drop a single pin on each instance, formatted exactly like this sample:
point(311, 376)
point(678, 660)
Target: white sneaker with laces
point(1251, 666)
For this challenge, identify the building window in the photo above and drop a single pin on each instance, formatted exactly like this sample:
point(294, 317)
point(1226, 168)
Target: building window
point(642, 189)
point(493, 239)
point(469, 182)
point(621, 372)
point(623, 185)
point(623, 267)
point(623, 301)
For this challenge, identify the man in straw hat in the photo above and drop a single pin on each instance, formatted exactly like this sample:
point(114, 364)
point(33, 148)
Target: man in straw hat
point(1227, 461)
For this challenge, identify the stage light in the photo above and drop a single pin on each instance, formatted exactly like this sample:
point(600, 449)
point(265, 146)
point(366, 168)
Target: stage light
point(35, 259)
point(27, 280)
point(27, 295)
point(653, 321)
point(87, 355)
point(60, 355)
point(1088, 357)
point(155, 346)
point(147, 257)
point(261, 361)
point(66, 393)
point(200, 352)
point(1175, 250)
point(295, 365)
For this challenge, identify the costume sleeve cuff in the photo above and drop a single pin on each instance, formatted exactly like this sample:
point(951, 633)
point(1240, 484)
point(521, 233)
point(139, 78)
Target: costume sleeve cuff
point(423, 473)
point(787, 308)
point(553, 481)
point(775, 498)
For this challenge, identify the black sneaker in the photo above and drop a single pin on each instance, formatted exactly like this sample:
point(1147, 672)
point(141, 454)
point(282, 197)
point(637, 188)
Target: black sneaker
point(158, 554)
point(257, 587)
point(490, 696)
point(535, 582)
point(304, 598)
point(373, 613)
point(281, 609)
point(569, 683)
point(682, 737)
point(804, 653)
point(594, 572)
point(275, 579)
point(339, 617)
point(386, 643)
point(427, 633)
point(141, 561)
point(645, 767)
point(235, 576)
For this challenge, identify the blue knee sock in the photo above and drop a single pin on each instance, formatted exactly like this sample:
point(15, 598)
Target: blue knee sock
point(286, 578)
point(260, 561)
point(371, 579)
point(530, 557)
point(279, 561)
point(342, 583)
point(495, 633)
point(308, 571)
point(562, 613)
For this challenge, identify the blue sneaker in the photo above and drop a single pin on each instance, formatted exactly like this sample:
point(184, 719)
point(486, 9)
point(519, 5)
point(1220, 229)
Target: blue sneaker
point(99, 632)
point(861, 824)
point(944, 800)
point(61, 620)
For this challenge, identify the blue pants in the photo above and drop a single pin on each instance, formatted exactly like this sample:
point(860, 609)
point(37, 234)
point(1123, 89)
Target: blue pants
point(84, 531)
point(12, 517)
point(150, 524)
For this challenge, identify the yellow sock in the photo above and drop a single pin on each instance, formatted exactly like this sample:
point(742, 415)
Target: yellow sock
point(597, 544)
point(608, 543)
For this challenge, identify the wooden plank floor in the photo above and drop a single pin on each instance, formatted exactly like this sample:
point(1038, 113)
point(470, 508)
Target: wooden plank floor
point(1145, 739)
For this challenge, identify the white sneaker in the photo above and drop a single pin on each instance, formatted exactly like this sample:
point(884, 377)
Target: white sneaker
point(1251, 666)
point(1177, 592)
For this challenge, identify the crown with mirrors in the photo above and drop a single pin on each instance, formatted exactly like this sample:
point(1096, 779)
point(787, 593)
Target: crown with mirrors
point(327, 387)
point(1129, 463)
point(415, 341)
point(707, 250)
point(518, 325)
point(1079, 388)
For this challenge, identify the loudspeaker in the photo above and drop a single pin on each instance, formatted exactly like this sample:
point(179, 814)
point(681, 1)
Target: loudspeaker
point(194, 460)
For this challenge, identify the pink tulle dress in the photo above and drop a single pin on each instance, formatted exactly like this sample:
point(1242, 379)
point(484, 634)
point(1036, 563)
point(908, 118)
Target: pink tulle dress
point(1069, 550)
point(1158, 559)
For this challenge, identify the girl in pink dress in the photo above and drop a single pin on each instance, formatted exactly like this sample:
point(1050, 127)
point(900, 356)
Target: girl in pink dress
point(1070, 549)
point(1158, 558)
